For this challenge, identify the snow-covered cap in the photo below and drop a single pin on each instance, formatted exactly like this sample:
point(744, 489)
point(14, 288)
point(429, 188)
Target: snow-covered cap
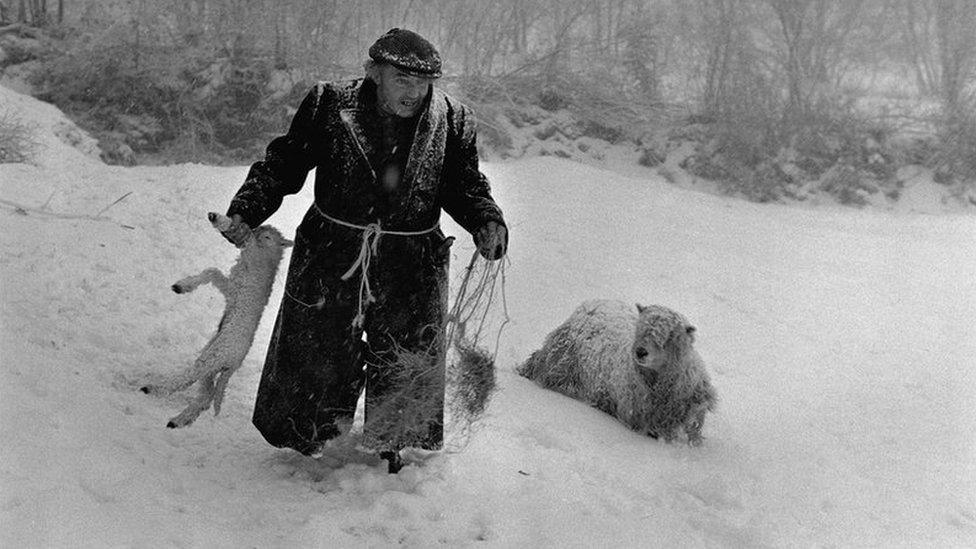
point(407, 51)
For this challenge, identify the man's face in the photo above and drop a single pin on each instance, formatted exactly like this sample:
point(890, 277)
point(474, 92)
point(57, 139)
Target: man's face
point(401, 93)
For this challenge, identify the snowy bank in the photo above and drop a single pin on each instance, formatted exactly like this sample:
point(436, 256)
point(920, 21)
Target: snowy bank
point(841, 341)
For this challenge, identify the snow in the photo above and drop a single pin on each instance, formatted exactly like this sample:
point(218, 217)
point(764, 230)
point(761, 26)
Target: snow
point(841, 342)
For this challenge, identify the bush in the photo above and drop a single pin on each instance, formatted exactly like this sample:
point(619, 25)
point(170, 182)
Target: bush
point(241, 111)
point(17, 48)
point(17, 142)
point(552, 99)
point(168, 103)
point(749, 145)
point(110, 94)
point(849, 185)
point(651, 157)
point(492, 136)
point(954, 157)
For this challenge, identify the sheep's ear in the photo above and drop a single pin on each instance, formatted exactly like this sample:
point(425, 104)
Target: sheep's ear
point(640, 308)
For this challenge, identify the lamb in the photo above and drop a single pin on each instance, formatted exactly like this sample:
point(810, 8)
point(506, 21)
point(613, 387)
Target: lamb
point(246, 291)
point(637, 365)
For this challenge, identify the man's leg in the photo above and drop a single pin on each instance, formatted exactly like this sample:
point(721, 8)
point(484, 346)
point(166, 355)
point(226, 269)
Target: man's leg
point(406, 352)
point(313, 373)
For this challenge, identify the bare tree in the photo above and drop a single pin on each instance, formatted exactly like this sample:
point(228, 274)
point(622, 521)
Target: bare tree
point(918, 25)
point(815, 35)
point(957, 50)
point(720, 16)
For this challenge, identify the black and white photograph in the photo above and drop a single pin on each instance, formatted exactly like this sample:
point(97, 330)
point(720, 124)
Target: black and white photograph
point(507, 274)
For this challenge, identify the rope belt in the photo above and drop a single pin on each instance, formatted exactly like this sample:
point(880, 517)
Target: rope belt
point(368, 249)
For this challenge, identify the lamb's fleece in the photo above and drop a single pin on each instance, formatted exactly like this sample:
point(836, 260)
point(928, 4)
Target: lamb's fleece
point(246, 291)
point(635, 363)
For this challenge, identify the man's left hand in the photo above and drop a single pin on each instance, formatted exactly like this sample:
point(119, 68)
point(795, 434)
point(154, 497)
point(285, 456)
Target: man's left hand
point(492, 240)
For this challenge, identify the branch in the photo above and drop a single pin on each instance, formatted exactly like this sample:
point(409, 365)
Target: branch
point(120, 199)
point(26, 210)
point(19, 29)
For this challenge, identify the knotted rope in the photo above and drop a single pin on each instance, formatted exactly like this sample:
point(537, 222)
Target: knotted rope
point(369, 248)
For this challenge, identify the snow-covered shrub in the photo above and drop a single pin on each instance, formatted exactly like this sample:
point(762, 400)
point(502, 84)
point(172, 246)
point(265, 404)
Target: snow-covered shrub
point(635, 363)
point(19, 49)
point(955, 157)
point(552, 99)
point(756, 154)
point(113, 96)
point(848, 185)
point(242, 111)
point(653, 152)
point(170, 102)
point(17, 142)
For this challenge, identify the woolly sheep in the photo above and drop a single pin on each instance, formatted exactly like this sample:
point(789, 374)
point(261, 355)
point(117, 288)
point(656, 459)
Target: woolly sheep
point(246, 291)
point(636, 364)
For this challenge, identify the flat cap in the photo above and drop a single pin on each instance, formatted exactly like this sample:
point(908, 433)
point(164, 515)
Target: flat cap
point(407, 51)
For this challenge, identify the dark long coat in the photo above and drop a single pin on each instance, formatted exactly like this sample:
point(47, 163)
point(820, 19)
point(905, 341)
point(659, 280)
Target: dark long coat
point(314, 370)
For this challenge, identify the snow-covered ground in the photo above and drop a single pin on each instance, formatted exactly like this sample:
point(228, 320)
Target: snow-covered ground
point(842, 343)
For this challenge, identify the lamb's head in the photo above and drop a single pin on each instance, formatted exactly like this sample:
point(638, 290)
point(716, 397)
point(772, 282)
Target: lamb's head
point(661, 337)
point(266, 236)
point(265, 240)
point(266, 243)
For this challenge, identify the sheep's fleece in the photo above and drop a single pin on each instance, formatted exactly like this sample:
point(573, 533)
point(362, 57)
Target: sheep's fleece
point(636, 363)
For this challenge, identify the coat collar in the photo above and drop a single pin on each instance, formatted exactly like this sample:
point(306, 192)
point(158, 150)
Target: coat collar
point(430, 137)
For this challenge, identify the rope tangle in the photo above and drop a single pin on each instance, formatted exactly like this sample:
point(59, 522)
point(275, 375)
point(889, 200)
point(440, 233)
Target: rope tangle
point(368, 249)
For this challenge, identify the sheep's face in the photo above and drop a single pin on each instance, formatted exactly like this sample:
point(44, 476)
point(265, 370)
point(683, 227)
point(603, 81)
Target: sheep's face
point(268, 237)
point(661, 336)
point(649, 359)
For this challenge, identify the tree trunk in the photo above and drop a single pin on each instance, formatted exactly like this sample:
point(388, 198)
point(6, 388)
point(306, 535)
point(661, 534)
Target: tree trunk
point(917, 48)
point(280, 47)
point(717, 65)
point(792, 15)
point(951, 54)
point(135, 49)
point(38, 9)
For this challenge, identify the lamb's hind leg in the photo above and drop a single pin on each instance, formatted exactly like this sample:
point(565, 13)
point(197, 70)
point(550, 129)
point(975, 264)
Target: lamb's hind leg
point(205, 395)
point(203, 366)
point(222, 378)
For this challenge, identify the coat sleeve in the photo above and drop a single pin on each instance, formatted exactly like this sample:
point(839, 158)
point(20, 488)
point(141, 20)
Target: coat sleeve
point(466, 193)
point(285, 167)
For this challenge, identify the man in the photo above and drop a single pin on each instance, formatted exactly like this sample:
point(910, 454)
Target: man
point(368, 276)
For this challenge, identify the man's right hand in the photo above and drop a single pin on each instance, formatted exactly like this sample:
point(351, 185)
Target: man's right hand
point(238, 231)
point(492, 240)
